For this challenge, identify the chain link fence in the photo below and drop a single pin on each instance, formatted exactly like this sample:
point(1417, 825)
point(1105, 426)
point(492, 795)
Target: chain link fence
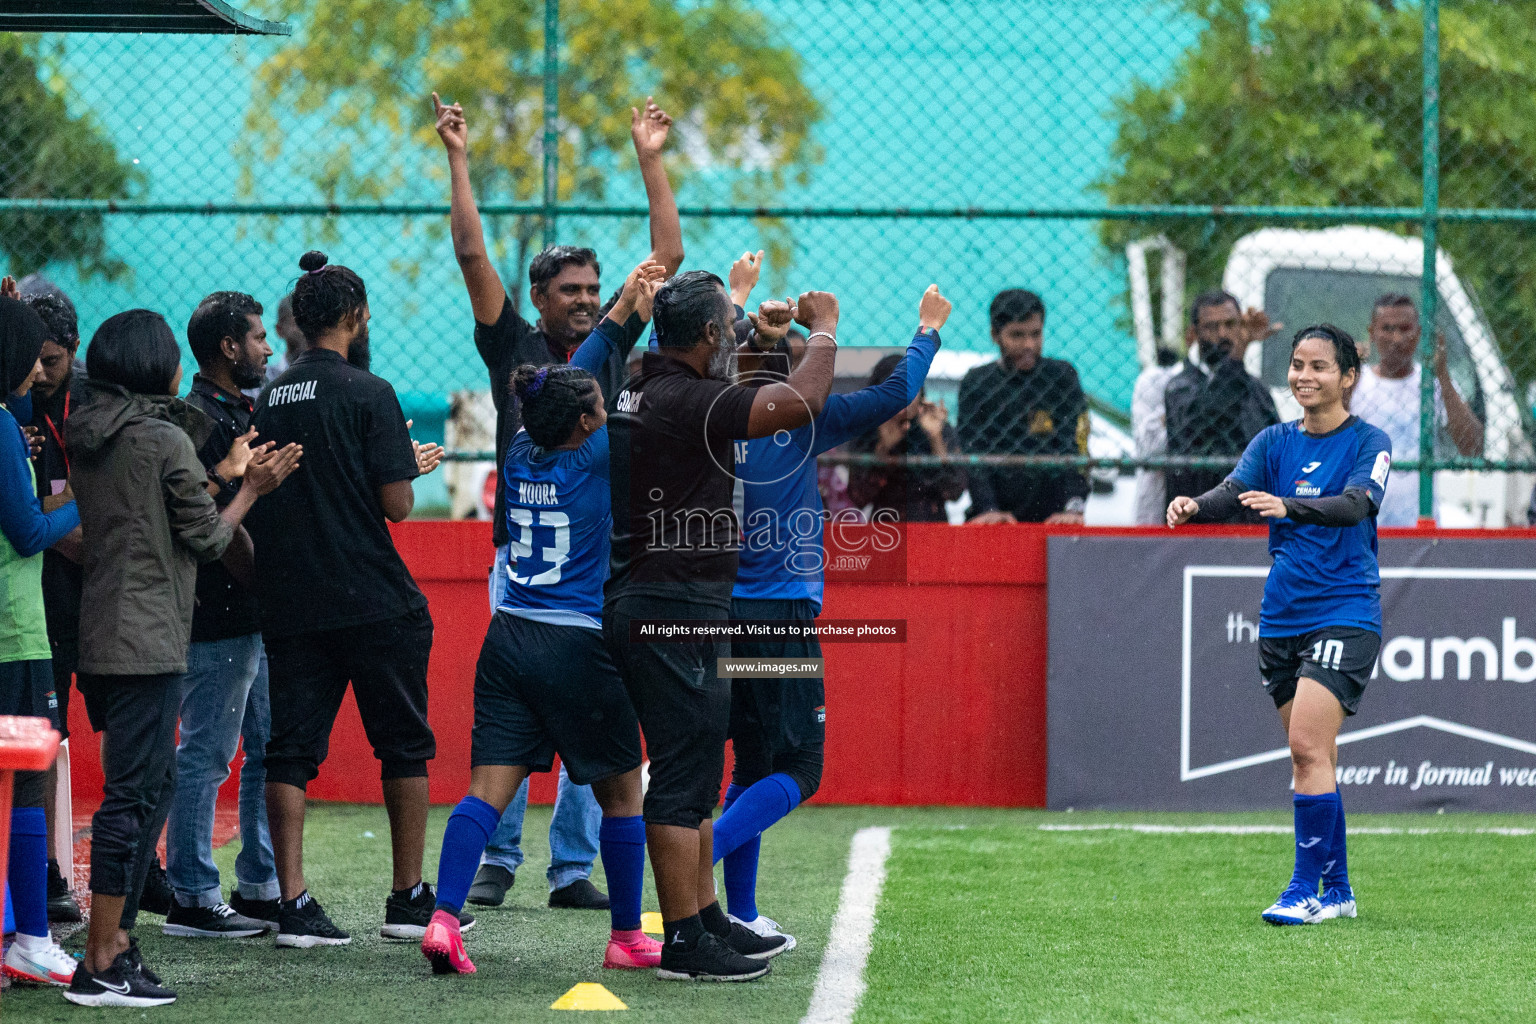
point(1114, 159)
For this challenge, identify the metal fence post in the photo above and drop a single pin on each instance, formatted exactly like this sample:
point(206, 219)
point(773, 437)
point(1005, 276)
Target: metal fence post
point(551, 111)
point(1430, 295)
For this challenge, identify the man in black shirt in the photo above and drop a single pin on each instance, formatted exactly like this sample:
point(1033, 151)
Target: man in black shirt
point(565, 291)
point(224, 695)
point(337, 602)
point(674, 556)
point(1213, 405)
point(1024, 404)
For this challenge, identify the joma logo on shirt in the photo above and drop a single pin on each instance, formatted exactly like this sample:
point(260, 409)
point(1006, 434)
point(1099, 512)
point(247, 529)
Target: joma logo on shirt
point(537, 494)
point(286, 393)
point(628, 401)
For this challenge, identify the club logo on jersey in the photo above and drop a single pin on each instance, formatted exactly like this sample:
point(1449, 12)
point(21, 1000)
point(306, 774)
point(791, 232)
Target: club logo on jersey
point(628, 401)
point(1382, 468)
point(1041, 422)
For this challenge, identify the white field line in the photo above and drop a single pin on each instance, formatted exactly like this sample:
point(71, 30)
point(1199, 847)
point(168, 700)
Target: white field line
point(840, 982)
point(1250, 830)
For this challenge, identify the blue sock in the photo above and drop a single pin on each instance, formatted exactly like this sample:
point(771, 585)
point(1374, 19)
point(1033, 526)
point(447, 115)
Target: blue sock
point(763, 803)
point(1315, 817)
point(738, 835)
point(1336, 870)
point(29, 870)
point(622, 844)
point(741, 879)
point(741, 867)
point(469, 829)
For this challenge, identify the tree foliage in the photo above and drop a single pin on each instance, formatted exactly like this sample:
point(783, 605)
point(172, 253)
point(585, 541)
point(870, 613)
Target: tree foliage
point(1319, 103)
point(362, 67)
point(47, 153)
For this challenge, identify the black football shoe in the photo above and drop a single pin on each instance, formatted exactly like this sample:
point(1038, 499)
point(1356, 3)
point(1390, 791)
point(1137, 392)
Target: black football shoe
point(407, 913)
point(121, 984)
point(710, 960)
point(303, 924)
point(579, 895)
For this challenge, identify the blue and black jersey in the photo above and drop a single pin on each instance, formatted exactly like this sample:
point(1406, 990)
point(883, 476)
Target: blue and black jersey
point(1322, 575)
point(559, 516)
point(782, 557)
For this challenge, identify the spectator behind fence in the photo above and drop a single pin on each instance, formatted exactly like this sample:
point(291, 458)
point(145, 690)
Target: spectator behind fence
point(1149, 430)
point(1389, 397)
point(915, 493)
point(1024, 404)
point(1214, 406)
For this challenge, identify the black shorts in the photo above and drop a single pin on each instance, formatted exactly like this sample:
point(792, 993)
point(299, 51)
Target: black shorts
point(683, 704)
point(1340, 657)
point(26, 690)
point(386, 663)
point(543, 689)
point(780, 715)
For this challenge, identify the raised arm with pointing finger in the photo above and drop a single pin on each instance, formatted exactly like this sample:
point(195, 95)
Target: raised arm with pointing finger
point(565, 285)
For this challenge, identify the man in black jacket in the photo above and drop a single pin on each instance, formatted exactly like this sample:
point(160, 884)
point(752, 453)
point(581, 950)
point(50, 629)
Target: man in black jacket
point(224, 695)
point(1024, 404)
point(58, 394)
point(1214, 406)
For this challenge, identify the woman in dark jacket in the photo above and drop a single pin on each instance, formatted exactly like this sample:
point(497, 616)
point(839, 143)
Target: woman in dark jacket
point(915, 494)
point(148, 520)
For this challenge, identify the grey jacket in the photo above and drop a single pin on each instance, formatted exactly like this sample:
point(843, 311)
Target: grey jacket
point(147, 520)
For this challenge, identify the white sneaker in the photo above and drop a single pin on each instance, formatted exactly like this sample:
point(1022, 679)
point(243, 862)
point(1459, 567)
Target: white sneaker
point(767, 928)
point(46, 965)
point(1338, 901)
point(1295, 906)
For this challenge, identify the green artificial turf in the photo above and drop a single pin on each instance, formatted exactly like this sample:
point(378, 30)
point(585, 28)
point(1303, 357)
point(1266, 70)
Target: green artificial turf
point(984, 917)
point(527, 954)
point(1005, 922)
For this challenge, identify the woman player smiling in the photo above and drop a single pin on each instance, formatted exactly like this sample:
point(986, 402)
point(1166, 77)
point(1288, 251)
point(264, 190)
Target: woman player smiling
point(1319, 481)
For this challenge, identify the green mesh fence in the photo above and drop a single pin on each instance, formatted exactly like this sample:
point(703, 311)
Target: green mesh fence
point(1115, 157)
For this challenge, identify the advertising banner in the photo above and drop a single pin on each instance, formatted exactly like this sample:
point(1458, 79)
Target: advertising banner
point(1155, 700)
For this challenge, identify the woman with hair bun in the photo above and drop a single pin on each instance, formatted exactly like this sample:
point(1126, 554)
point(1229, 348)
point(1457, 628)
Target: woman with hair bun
point(1319, 481)
point(338, 606)
point(545, 683)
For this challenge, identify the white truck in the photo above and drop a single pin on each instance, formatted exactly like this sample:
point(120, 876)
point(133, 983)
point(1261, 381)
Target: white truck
point(1335, 275)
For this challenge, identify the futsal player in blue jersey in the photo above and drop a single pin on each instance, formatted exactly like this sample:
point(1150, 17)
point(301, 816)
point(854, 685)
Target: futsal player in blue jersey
point(778, 725)
point(544, 683)
point(1319, 481)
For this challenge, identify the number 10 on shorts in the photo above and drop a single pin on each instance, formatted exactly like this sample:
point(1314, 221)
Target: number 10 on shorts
point(1328, 653)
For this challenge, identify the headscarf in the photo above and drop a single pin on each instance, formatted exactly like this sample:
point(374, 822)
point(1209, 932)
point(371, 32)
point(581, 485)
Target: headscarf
point(22, 334)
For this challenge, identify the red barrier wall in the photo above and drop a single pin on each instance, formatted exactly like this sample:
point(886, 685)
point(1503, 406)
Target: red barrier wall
point(956, 715)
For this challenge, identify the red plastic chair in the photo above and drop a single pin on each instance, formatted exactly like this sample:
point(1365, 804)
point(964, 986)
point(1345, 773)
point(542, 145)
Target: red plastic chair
point(26, 745)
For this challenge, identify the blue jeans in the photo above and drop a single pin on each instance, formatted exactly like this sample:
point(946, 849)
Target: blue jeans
point(577, 818)
point(224, 699)
point(572, 834)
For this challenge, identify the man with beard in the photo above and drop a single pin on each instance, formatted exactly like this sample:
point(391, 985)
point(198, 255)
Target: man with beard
point(674, 557)
point(1214, 406)
point(566, 293)
point(54, 397)
point(338, 605)
point(224, 695)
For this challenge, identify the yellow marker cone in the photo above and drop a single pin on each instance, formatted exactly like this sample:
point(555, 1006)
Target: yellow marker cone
point(650, 923)
point(588, 995)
